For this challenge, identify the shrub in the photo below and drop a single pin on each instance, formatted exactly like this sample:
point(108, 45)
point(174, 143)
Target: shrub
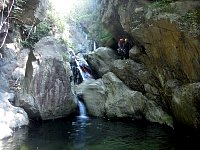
point(163, 5)
point(42, 30)
point(191, 21)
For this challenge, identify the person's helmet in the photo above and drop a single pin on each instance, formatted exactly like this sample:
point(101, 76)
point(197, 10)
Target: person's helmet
point(121, 40)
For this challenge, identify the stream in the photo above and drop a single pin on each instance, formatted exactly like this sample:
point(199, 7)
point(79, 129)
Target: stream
point(83, 133)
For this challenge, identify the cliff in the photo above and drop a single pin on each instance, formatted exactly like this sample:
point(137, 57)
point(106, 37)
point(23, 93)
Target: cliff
point(165, 40)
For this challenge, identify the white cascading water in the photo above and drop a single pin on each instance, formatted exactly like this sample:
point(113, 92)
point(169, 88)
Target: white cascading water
point(82, 109)
point(94, 45)
point(84, 75)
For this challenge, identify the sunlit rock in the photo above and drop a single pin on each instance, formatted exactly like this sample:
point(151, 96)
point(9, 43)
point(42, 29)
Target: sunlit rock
point(29, 104)
point(46, 91)
point(131, 73)
point(6, 131)
point(101, 60)
point(4, 3)
point(10, 117)
point(19, 73)
point(4, 82)
point(93, 93)
point(121, 101)
point(110, 97)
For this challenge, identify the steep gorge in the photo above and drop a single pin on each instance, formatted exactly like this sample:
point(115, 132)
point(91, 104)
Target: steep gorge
point(158, 83)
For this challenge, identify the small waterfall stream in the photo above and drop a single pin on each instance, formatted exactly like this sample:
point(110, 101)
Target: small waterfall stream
point(82, 109)
point(94, 46)
point(83, 70)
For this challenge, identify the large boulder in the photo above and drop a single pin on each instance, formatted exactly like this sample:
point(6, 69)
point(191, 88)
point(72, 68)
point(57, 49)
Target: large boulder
point(95, 104)
point(46, 90)
point(121, 101)
point(102, 59)
point(113, 99)
point(133, 74)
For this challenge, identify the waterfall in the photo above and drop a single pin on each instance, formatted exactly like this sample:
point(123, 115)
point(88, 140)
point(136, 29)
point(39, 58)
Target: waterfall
point(84, 73)
point(82, 109)
point(94, 45)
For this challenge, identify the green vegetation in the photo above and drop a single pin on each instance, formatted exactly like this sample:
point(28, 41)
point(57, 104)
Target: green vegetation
point(84, 13)
point(162, 3)
point(95, 26)
point(42, 30)
point(191, 16)
point(24, 147)
point(97, 30)
point(18, 6)
point(163, 6)
point(192, 20)
point(66, 57)
point(101, 34)
point(55, 19)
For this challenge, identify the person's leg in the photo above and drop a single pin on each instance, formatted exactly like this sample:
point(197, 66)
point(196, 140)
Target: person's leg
point(127, 54)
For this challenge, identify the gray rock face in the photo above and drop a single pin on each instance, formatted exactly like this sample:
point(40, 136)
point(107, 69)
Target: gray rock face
point(110, 97)
point(101, 60)
point(94, 94)
point(130, 72)
point(10, 117)
point(167, 49)
point(8, 64)
point(4, 3)
point(19, 72)
point(29, 104)
point(46, 91)
point(160, 35)
point(4, 82)
point(31, 11)
point(133, 74)
point(121, 101)
point(185, 104)
point(52, 91)
point(9, 53)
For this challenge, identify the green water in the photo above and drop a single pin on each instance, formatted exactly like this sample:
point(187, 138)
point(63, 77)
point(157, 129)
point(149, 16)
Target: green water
point(94, 134)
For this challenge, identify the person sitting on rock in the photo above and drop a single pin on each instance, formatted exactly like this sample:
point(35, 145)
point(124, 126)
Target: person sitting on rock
point(121, 48)
point(121, 43)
